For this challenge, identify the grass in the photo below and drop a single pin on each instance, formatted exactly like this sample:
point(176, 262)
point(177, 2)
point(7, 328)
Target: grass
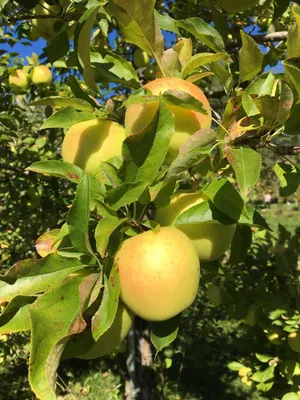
point(287, 215)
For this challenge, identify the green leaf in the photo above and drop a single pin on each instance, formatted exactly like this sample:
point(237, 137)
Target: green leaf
point(55, 316)
point(138, 25)
point(268, 107)
point(57, 101)
point(285, 103)
point(293, 38)
point(292, 72)
point(144, 152)
point(116, 65)
point(182, 99)
point(224, 76)
point(203, 212)
point(265, 386)
point(222, 193)
point(66, 117)
point(246, 163)
point(104, 229)
point(289, 177)
point(192, 151)
point(251, 58)
point(30, 277)
point(235, 366)
point(58, 47)
point(15, 317)
point(57, 168)
point(291, 396)
point(252, 217)
point(203, 31)
point(261, 86)
point(292, 125)
point(165, 332)
point(166, 22)
point(80, 93)
point(108, 175)
point(78, 217)
point(200, 59)
point(125, 194)
point(263, 376)
point(82, 37)
point(263, 357)
point(105, 315)
point(240, 244)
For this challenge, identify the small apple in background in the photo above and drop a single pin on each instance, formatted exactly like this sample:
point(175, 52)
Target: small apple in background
point(187, 122)
point(211, 239)
point(88, 143)
point(294, 341)
point(159, 273)
point(19, 80)
point(150, 72)
point(140, 58)
point(41, 76)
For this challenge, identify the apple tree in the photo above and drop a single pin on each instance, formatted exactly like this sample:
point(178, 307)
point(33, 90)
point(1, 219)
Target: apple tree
point(167, 118)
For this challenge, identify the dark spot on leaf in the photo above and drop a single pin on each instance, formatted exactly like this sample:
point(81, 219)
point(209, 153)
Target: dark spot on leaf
point(62, 297)
point(118, 270)
point(72, 176)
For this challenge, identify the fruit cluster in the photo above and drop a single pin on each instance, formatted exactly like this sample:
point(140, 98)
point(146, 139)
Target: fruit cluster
point(20, 79)
point(159, 269)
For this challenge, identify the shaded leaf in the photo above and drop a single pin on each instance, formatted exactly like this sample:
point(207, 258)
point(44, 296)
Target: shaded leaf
point(289, 177)
point(125, 194)
point(261, 86)
point(200, 59)
point(104, 229)
point(165, 332)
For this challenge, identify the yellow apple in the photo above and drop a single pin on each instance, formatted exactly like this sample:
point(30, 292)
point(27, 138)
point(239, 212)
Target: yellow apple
point(159, 273)
point(88, 143)
point(41, 76)
point(294, 341)
point(235, 6)
point(187, 122)
point(140, 58)
point(44, 27)
point(19, 80)
point(113, 337)
point(211, 239)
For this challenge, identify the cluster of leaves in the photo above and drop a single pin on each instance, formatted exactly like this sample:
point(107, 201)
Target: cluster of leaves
point(111, 205)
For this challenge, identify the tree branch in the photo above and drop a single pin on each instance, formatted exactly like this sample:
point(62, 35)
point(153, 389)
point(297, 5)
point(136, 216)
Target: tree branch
point(261, 39)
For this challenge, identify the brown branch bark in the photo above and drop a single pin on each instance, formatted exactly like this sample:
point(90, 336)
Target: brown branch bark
point(261, 39)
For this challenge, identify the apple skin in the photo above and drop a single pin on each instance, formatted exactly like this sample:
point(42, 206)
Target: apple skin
point(294, 341)
point(187, 122)
point(211, 239)
point(41, 76)
point(159, 273)
point(140, 58)
point(19, 80)
point(45, 27)
point(88, 143)
point(114, 336)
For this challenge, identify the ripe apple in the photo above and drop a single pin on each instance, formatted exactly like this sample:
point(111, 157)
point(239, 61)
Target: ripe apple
point(159, 273)
point(235, 6)
point(113, 337)
point(41, 76)
point(19, 80)
point(211, 239)
point(88, 143)
point(140, 58)
point(45, 27)
point(294, 341)
point(187, 122)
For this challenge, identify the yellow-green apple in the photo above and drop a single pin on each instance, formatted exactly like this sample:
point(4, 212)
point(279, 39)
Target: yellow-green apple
point(33, 35)
point(159, 273)
point(211, 239)
point(19, 80)
point(150, 72)
point(45, 27)
point(41, 76)
point(113, 337)
point(140, 58)
point(88, 143)
point(187, 122)
point(294, 341)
